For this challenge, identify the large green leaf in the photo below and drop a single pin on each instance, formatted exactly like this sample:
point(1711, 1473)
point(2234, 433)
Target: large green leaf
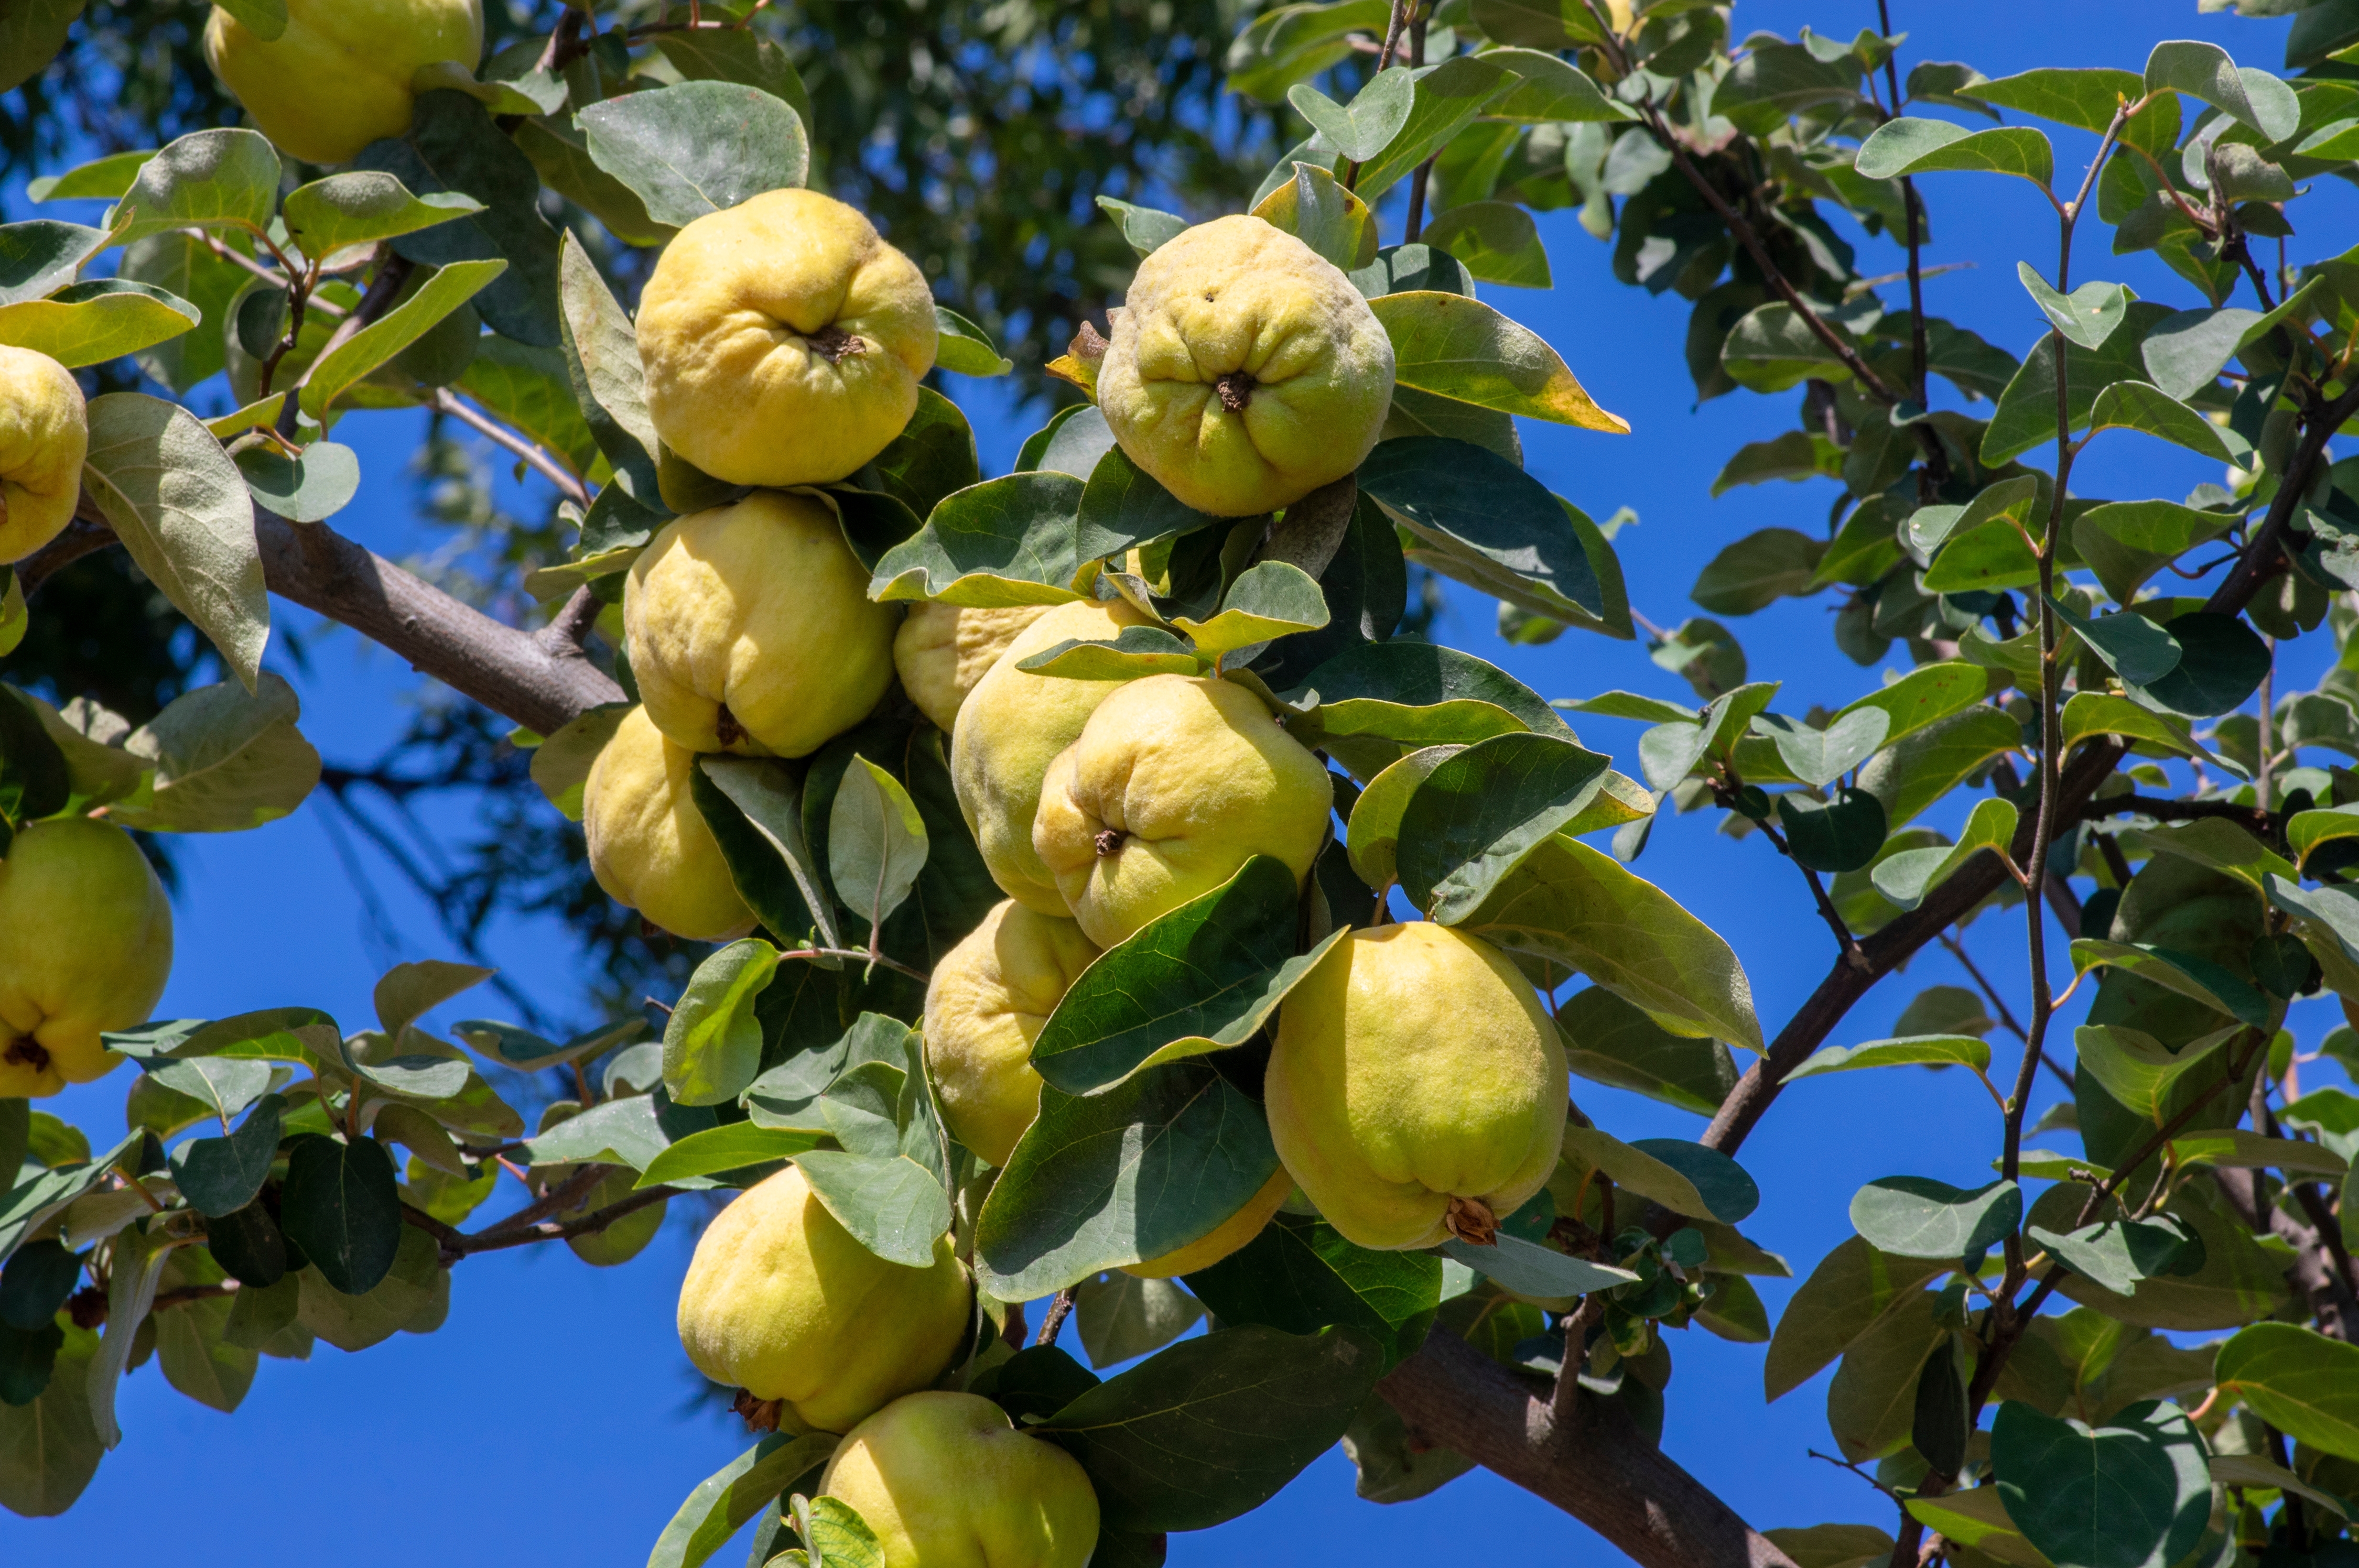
point(1479, 812)
point(380, 340)
point(1907, 1051)
point(361, 207)
point(2135, 1493)
point(1464, 500)
point(1908, 146)
point(90, 323)
point(1610, 1041)
point(220, 760)
point(697, 147)
point(39, 258)
point(722, 1502)
point(1912, 774)
point(1008, 541)
point(50, 1448)
point(1300, 1275)
point(1449, 95)
point(1459, 348)
point(2203, 70)
point(1852, 1287)
point(1916, 1216)
point(1315, 207)
point(2297, 1380)
point(342, 1206)
point(1871, 1401)
point(205, 179)
point(894, 1205)
point(1686, 1178)
point(2026, 414)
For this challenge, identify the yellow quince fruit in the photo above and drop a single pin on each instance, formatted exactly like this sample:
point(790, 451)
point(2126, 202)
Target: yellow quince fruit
point(649, 847)
point(1244, 371)
point(783, 341)
point(85, 946)
point(1418, 1088)
point(750, 628)
point(783, 1302)
point(1010, 729)
point(338, 78)
point(1222, 1239)
point(44, 436)
point(946, 1481)
point(942, 650)
point(1175, 782)
point(984, 1006)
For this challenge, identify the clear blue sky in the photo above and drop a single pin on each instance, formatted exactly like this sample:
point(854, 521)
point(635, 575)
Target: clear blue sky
point(546, 1423)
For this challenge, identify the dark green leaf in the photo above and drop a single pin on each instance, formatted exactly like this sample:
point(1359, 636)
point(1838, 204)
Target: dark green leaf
point(28, 1359)
point(1419, 693)
point(342, 1206)
point(1756, 571)
point(2135, 1493)
point(697, 147)
point(39, 1276)
point(1480, 813)
point(1840, 835)
point(249, 1246)
point(1916, 1216)
point(39, 258)
point(1609, 1041)
point(1462, 499)
point(1300, 1275)
point(1728, 1193)
point(2132, 647)
point(2221, 662)
point(220, 1175)
point(1012, 540)
point(724, 1500)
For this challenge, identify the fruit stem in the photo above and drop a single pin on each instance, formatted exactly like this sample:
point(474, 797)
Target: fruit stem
point(1237, 390)
point(1471, 1221)
point(25, 1052)
point(1109, 841)
point(836, 344)
point(725, 727)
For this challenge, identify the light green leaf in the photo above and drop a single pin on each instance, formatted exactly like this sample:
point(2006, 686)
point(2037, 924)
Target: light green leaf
point(696, 147)
point(1267, 600)
point(2087, 316)
point(1460, 347)
point(1907, 877)
point(2204, 70)
point(381, 339)
point(2135, 405)
point(220, 760)
point(877, 841)
point(962, 346)
point(1333, 221)
point(90, 323)
point(712, 1043)
point(2137, 1069)
point(725, 1500)
point(1497, 241)
point(363, 206)
point(1360, 129)
point(1912, 1051)
point(1908, 146)
point(205, 179)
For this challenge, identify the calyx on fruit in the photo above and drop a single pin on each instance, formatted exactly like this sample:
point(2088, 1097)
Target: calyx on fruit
point(1224, 1239)
point(750, 628)
point(783, 341)
point(942, 650)
point(1416, 1090)
point(783, 1302)
point(946, 1481)
point(85, 946)
point(649, 847)
point(1244, 371)
point(1010, 729)
point(984, 1006)
point(44, 436)
point(1175, 782)
point(339, 77)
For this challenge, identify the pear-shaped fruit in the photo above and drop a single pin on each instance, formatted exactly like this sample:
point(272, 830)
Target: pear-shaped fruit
point(942, 650)
point(750, 628)
point(784, 1302)
point(1226, 1237)
point(1417, 1089)
point(1244, 371)
point(649, 847)
point(339, 77)
point(783, 341)
point(85, 946)
point(1010, 729)
point(946, 1481)
point(984, 1006)
point(1175, 782)
point(44, 436)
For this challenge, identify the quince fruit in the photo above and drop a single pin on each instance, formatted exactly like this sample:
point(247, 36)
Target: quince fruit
point(1416, 1090)
point(946, 1481)
point(650, 847)
point(338, 78)
point(783, 1302)
point(1245, 370)
point(750, 628)
point(1010, 729)
point(942, 650)
point(1175, 782)
point(44, 436)
point(783, 341)
point(85, 946)
point(984, 1006)
point(1222, 1239)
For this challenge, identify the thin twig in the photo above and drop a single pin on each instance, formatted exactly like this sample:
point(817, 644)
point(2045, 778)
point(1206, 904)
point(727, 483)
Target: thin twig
point(1060, 1306)
point(858, 956)
point(445, 400)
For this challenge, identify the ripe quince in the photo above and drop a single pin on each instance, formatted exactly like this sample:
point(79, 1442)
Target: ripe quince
point(338, 78)
point(44, 436)
point(1175, 782)
point(783, 1302)
point(1010, 729)
point(1416, 1090)
point(987, 1000)
point(783, 341)
point(942, 650)
point(650, 847)
point(750, 628)
point(85, 946)
point(1245, 370)
point(946, 1481)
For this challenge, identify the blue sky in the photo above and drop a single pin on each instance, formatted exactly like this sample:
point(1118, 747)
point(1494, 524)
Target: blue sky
point(547, 1422)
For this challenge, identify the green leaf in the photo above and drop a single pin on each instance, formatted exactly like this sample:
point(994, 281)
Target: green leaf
point(1772, 348)
point(697, 147)
point(1537, 24)
point(1479, 814)
point(713, 1042)
point(725, 1500)
point(1530, 1269)
point(2197, 979)
point(1911, 1051)
point(1211, 1427)
point(1916, 1216)
point(2220, 662)
point(90, 323)
point(2137, 1069)
point(1204, 978)
point(1758, 571)
point(1315, 208)
point(361, 207)
point(1552, 91)
point(1418, 693)
point(1686, 1178)
point(1839, 835)
point(1574, 905)
point(1498, 240)
point(963, 347)
point(631, 1130)
point(2135, 405)
point(2203, 70)
point(1793, 455)
point(1465, 501)
point(108, 177)
point(1460, 347)
point(1008, 541)
point(339, 1204)
point(1908, 146)
point(1448, 96)
point(1147, 229)
point(310, 488)
point(1908, 876)
point(1299, 1274)
point(1122, 506)
point(39, 258)
point(205, 179)
point(1773, 81)
point(2082, 98)
point(180, 507)
point(2025, 413)
point(2216, 843)
point(758, 823)
point(32, 34)
point(1294, 43)
point(1269, 599)
point(894, 1205)
point(220, 1175)
point(2126, 542)
point(740, 55)
point(2131, 645)
point(877, 841)
point(838, 1534)
point(2135, 1493)
point(1872, 1401)
point(2118, 1254)
point(1122, 1317)
point(2298, 1380)
point(381, 339)
point(221, 761)
point(1610, 1041)
point(1852, 1288)
point(2087, 316)
point(1359, 130)
point(1122, 1176)
point(1910, 776)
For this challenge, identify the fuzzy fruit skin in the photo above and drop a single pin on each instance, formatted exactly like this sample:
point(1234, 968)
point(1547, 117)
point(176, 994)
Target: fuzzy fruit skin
point(760, 606)
point(735, 383)
point(85, 946)
point(1230, 1234)
point(1237, 295)
point(942, 650)
point(44, 436)
point(1010, 729)
point(784, 1302)
point(338, 79)
point(1193, 777)
point(946, 1481)
point(1415, 1062)
point(984, 1006)
point(650, 847)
